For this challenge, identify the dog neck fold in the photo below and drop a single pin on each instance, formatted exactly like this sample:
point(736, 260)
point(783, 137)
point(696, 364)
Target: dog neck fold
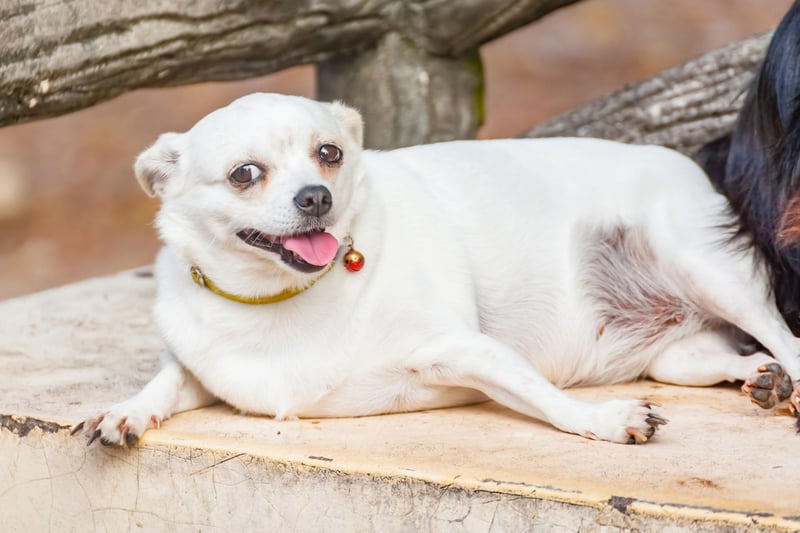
point(203, 281)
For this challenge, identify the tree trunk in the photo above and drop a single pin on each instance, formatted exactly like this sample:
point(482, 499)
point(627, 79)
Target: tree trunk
point(60, 56)
point(683, 107)
point(406, 95)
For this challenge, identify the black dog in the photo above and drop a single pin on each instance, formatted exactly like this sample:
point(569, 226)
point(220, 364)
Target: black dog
point(757, 165)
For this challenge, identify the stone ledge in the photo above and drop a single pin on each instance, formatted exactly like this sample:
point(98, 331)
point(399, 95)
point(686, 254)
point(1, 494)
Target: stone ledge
point(719, 464)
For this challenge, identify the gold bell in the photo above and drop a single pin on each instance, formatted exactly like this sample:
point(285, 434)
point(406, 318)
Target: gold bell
point(353, 259)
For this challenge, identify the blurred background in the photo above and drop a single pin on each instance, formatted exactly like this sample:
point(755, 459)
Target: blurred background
point(70, 207)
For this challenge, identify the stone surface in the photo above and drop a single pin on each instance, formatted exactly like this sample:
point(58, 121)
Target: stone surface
point(721, 463)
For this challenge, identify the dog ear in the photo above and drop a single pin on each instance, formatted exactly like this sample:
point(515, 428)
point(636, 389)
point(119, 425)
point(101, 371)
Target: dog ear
point(158, 163)
point(351, 119)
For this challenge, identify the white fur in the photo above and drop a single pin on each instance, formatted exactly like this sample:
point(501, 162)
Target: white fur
point(484, 277)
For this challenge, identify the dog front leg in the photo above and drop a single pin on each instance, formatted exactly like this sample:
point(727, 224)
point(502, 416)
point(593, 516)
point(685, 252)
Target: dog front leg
point(171, 391)
point(477, 361)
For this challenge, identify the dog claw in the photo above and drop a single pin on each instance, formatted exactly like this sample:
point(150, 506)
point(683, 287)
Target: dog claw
point(794, 403)
point(130, 439)
point(656, 420)
point(124, 433)
point(636, 436)
point(653, 421)
point(94, 437)
point(76, 429)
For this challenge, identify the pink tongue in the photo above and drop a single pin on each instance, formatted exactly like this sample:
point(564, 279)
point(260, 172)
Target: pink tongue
point(317, 248)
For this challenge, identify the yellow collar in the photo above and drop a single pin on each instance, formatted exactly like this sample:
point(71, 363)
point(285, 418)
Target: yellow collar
point(202, 280)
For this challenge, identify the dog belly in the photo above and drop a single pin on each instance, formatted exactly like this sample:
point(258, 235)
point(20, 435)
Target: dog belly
point(388, 396)
point(285, 393)
point(604, 320)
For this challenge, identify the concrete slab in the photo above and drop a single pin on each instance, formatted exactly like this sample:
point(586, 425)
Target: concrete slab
point(720, 464)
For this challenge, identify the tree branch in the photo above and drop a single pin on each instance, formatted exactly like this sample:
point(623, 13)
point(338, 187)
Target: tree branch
point(60, 56)
point(683, 107)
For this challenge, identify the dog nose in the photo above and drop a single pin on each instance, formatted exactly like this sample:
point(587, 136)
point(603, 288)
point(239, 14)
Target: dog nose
point(314, 200)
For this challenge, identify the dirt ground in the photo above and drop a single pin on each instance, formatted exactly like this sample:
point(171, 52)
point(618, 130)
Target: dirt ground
point(71, 209)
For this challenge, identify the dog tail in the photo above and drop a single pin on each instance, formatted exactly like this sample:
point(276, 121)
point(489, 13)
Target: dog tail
point(757, 165)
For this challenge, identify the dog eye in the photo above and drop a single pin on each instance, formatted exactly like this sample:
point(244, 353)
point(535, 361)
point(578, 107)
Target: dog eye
point(246, 175)
point(330, 154)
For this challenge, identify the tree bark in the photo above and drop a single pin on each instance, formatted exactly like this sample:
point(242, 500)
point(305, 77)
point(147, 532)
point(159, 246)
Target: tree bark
point(683, 107)
point(406, 95)
point(60, 56)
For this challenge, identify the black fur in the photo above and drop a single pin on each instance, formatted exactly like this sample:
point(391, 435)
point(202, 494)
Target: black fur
point(757, 166)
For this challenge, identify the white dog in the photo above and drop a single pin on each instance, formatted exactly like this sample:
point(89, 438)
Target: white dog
point(491, 269)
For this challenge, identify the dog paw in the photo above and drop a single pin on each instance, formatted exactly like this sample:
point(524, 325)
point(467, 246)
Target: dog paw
point(625, 421)
point(121, 426)
point(794, 403)
point(770, 386)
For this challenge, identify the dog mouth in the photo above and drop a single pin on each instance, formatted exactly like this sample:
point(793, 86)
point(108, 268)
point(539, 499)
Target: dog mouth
point(305, 252)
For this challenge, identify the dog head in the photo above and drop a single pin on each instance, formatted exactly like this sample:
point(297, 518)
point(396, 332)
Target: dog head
point(265, 187)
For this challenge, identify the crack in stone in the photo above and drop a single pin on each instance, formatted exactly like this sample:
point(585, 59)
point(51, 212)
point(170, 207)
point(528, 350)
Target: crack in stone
point(23, 425)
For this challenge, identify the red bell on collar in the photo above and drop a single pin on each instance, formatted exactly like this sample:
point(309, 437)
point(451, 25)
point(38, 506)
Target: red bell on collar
point(353, 260)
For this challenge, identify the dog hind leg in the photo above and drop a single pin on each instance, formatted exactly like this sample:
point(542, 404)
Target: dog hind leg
point(708, 358)
point(478, 361)
point(729, 286)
